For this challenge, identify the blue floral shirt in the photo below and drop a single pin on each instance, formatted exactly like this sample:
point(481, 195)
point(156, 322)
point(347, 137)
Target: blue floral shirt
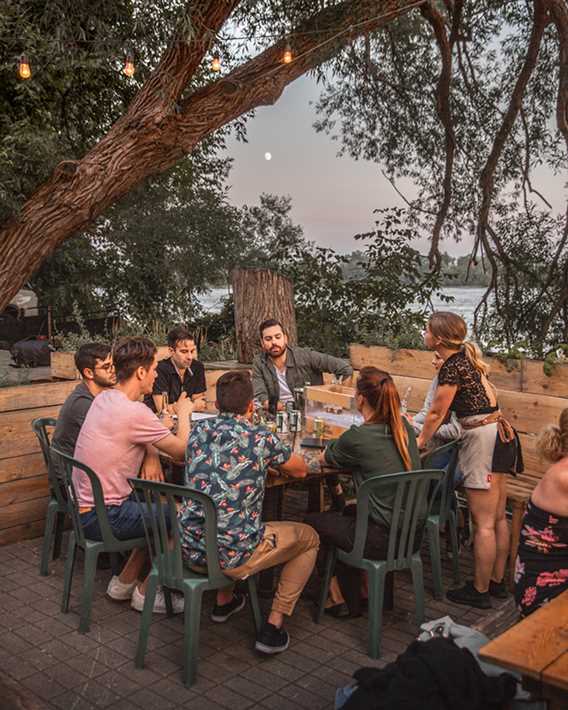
point(227, 458)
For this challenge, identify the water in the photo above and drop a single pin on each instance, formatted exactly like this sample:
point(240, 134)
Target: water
point(465, 300)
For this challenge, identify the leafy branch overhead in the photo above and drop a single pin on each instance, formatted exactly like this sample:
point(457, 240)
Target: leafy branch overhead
point(461, 103)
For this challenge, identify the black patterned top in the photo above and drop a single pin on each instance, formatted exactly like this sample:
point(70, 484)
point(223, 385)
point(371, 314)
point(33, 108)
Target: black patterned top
point(471, 398)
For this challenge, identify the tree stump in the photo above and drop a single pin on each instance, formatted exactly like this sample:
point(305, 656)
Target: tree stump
point(260, 294)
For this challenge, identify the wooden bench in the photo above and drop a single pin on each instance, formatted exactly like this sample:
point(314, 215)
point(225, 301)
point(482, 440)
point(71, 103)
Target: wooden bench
point(527, 397)
point(537, 647)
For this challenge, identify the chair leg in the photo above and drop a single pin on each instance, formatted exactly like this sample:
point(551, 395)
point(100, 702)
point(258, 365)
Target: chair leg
point(326, 580)
point(516, 524)
point(168, 600)
point(59, 528)
point(254, 604)
point(89, 575)
point(50, 522)
point(191, 619)
point(68, 572)
point(433, 531)
point(376, 581)
point(418, 582)
point(146, 619)
point(453, 528)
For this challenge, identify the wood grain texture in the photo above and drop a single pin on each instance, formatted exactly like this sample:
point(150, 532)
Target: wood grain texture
point(534, 643)
point(557, 672)
point(48, 394)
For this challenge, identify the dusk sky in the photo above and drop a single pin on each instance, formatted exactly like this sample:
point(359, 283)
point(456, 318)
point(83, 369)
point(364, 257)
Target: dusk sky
point(333, 198)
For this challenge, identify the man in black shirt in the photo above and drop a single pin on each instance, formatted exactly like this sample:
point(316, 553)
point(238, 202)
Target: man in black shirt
point(180, 375)
point(94, 362)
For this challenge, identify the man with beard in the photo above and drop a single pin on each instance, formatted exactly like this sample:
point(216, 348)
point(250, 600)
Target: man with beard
point(94, 363)
point(282, 367)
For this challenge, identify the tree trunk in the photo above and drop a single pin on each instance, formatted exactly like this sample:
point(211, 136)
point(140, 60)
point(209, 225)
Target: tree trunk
point(260, 294)
point(161, 126)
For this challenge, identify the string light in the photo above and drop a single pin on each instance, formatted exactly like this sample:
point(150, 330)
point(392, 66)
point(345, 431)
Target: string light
point(287, 56)
point(24, 70)
point(216, 63)
point(129, 67)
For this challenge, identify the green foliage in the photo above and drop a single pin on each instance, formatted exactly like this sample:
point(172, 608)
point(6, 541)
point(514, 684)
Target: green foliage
point(557, 356)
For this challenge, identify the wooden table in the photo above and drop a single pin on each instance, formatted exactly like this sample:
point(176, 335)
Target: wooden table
point(537, 647)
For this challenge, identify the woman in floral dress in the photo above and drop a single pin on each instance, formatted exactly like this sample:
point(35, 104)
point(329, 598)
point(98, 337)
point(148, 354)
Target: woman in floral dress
point(542, 563)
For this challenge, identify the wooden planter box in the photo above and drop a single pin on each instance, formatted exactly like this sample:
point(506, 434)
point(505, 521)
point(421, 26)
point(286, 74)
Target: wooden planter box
point(63, 363)
point(335, 404)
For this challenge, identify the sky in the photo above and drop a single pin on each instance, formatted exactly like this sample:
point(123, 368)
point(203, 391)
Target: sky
point(333, 197)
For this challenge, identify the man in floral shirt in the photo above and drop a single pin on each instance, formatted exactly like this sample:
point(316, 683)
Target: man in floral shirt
point(228, 458)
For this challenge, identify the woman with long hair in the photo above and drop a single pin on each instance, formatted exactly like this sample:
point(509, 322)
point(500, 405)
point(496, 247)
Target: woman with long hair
point(541, 571)
point(385, 443)
point(489, 448)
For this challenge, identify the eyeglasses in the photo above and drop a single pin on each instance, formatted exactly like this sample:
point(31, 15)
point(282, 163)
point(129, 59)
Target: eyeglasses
point(108, 367)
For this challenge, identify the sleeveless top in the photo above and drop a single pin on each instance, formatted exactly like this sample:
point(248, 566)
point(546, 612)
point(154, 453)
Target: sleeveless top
point(471, 398)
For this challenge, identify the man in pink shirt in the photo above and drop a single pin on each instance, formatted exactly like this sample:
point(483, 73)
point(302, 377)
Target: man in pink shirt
point(118, 432)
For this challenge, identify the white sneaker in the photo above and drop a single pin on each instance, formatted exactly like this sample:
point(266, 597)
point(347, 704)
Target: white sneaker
point(137, 601)
point(119, 591)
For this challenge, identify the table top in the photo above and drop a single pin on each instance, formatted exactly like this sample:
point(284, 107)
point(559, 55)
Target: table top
point(537, 646)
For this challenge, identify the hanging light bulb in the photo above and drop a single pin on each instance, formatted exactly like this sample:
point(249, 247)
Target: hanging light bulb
point(287, 56)
point(216, 63)
point(129, 67)
point(24, 71)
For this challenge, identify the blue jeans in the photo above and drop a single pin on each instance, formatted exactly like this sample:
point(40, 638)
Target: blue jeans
point(126, 520)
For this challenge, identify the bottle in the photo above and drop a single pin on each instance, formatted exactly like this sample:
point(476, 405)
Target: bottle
point(404, 401)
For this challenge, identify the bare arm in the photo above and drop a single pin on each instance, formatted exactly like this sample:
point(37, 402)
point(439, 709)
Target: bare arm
point(175, 444)
point(443, 398)
point(295, 467)
point(151, 466)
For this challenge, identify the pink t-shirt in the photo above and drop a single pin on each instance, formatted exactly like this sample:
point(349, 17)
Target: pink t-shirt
point(112, 442)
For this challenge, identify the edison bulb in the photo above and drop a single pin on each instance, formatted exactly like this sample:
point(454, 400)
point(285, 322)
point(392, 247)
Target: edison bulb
point(268, 156)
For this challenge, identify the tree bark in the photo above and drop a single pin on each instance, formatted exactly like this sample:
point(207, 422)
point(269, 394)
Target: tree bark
point(159, 128)
point(260, 294)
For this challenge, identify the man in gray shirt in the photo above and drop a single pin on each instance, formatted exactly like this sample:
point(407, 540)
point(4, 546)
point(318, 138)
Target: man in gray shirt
point(282, 367)
point(94, 362)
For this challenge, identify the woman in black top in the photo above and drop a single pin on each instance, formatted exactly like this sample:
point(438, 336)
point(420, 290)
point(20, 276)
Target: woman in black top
point(488, 450)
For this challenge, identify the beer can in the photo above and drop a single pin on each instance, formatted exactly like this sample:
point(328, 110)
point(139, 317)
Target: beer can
point(319, 427)
point(295, 420)
point(289, 407)
point(281, 422)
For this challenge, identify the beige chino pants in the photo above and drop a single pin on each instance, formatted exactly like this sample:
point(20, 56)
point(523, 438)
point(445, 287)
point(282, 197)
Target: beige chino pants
point(294, 545)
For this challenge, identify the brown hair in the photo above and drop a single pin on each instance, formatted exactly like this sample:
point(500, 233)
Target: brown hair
point(130, 353)
point(270, 323)
point(452, 331)
point(177, 334)
point(379, 390)
point(552, 444)
point(89, 353)
point(234, 392)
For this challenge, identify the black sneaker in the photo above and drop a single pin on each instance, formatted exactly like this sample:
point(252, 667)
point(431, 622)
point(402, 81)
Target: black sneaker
point(498, 590)
point(469, 596)
point(272, 639)
point(220, 614)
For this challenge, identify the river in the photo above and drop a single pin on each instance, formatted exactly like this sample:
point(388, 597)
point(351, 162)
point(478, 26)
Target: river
point(465, 300)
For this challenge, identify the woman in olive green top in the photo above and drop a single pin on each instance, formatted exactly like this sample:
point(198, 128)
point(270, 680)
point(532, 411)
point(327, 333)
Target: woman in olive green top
point(385, 443)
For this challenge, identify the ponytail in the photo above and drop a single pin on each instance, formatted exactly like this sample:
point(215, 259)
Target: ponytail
point(378, 388)
point(474, 355)
point(552, 444)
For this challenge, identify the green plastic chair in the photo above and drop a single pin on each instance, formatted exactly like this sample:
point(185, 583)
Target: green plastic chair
point(446, 514)
point(58, 506)
point(403, 552)
point(91, 548)
point(169, 570)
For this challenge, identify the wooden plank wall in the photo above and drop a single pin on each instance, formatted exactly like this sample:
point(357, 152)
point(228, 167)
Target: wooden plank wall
point(527, 397)
point(23, 477)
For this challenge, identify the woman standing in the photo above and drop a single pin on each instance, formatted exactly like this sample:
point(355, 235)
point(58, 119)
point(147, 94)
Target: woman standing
point(542, 564)
point(489, 448)
point(385, 443)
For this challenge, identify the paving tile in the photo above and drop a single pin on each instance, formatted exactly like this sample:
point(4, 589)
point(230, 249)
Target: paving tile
point(316, 685)
point(43, 686)
point(248, 688)
point(17, 667)
point(104, 654)
point(289, 666)
point(202, 703)
point(227, 698)
point(13, 643)
point(268, 680)
point(147, 699)
point(174, 691)
point(98, 694)
point(303, 698)
point(71, 700)
point(87, 665)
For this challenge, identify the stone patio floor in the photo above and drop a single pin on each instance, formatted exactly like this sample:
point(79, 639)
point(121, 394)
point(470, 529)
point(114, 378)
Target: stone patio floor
point(46, 663)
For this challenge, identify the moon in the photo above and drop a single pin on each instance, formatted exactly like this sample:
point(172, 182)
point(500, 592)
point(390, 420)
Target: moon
point(268, 156)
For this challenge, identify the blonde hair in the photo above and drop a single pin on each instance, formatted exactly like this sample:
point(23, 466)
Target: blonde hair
point(451, 330)
point(552, 444)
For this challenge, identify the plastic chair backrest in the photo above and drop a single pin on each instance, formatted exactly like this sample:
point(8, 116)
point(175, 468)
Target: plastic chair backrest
point(66, 464)
point(56, 485)
point(447, 484)
point(409, 514)
point(159, 498)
